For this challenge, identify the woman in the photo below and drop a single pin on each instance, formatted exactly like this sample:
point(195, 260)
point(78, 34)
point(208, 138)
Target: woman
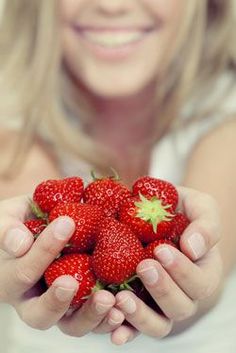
point(147, 87)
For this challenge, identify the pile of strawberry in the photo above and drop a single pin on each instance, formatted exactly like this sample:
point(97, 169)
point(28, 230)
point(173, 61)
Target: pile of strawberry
point(116, 228)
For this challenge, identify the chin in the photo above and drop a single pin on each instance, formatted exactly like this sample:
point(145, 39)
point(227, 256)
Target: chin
point(115, 87)
point(109, 91)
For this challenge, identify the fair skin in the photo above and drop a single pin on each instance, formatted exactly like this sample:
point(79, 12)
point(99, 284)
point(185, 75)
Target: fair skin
point(120, 79)
point(189, 284)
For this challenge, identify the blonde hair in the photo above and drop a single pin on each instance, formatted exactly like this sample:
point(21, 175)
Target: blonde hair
point(30, 67)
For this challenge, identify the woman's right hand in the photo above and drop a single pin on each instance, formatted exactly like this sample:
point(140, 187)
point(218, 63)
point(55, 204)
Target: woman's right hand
point(23, 262)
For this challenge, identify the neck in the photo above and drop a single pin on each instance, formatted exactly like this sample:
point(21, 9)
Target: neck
point(126, 125)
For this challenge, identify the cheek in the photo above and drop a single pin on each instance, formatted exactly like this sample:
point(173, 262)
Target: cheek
point(69, 8)
point(171, 11)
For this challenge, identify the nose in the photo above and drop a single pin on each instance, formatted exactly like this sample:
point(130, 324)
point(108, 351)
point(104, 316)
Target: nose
point(113, 7)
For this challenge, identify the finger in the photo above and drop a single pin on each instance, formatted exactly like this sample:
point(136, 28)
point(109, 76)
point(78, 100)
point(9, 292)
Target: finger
point(15, 238)
point(205, 229)
point(43, 312)
point(89, 316)
point(16, 207)
point(198, 280)
point(30, 268)
point(175, 304)
point(123, 334)
point(141, 316)
point(112, 321)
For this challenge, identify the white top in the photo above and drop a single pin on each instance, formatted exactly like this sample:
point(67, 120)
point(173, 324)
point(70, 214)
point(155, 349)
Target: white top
point(214, 333)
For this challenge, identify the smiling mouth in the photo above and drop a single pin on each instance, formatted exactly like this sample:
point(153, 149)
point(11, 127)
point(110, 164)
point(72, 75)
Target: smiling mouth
point(113, 38)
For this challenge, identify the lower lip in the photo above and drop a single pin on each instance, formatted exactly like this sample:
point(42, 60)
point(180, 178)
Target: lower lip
point(120, 52)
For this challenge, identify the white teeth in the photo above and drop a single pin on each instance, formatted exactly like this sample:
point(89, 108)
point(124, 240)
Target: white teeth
point(113, 39)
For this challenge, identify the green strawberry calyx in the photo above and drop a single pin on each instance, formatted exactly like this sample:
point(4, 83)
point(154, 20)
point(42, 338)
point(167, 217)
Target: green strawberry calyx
point(37, 212)
point(115, 288)
point(152, 211)
point(114, 176)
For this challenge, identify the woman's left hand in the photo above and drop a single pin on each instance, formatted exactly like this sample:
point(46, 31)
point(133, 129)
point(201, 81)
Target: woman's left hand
point(176, 280)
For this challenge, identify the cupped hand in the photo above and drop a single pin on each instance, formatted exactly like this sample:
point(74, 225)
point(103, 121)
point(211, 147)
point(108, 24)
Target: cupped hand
point(23, 262)
point(177, 280)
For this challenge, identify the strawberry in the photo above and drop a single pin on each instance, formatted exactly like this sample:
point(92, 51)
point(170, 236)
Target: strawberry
point(117, 252)
point(150, 248)
point(108, 193)
point(148, 218)
point(36, 226)
point(50, 193)
point(86, 218)
point(162, 189)
point(78, 266)
point(179, 224)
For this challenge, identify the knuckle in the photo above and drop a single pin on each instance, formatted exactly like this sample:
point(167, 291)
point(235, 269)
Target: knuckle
point(70, 330)
point(142, 321)
point(100, 330)
point(164, 330)
point(185, 314)
point(47, 246)
point(162, 291)
point(183, 272)
point(54, 307)
point(207, 290)
point(24, 275)
point(97, 330)
point(34, 322)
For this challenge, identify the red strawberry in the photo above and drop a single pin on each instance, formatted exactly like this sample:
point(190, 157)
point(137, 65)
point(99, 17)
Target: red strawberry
point(78, 266)
point(52, 192)
point(179, 224)
point(117, 252)
point(36, 226)
point(162, 189)
point(108, 193)
point(150, 248)
point(148, 218)
point(86, 218)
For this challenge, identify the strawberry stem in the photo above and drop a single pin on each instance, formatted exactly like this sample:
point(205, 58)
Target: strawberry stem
point(114, 176)
point(115, 288)
point(37, 212)
point(152, 211)
point(99, 285)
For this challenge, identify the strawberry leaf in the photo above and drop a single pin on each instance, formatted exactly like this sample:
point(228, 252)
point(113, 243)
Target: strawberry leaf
point(152, 211)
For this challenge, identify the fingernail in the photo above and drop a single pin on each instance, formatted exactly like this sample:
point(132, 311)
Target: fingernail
point(149, 275)
point(114, 322)
point(102, 308)
point(116, 319)
point(15, 238)
point(65, 287)
point(197, 245)
point(64, 227)
point(64, 294)
point(124, 339)
point(164, 255)
point(128, 305)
